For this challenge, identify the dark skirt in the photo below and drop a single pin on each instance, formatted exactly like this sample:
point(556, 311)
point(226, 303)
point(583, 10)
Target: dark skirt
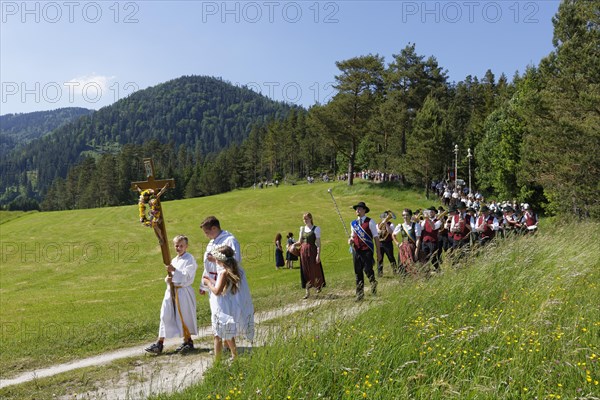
point(290, 257)
point(311, 272)
point(279, 261)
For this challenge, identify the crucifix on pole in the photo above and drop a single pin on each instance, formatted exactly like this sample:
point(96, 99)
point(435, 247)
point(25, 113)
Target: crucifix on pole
point(150, 191)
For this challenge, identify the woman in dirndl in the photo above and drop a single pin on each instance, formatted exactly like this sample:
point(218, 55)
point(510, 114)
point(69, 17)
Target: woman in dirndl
point(311, 269)
point(408, 237)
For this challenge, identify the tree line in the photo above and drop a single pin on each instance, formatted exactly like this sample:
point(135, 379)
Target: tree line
point(534, 138)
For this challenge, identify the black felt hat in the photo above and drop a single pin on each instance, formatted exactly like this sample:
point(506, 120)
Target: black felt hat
point(363, 205)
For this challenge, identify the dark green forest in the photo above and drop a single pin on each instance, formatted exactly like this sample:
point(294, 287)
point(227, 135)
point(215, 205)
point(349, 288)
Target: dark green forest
point(534, 137)
point(19, 129)
point(201, 114)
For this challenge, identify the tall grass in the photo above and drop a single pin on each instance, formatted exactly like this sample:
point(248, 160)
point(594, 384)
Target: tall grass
point(520, 321)
point(77, 283)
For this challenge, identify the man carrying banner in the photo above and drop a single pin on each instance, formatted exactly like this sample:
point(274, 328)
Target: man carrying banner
point(365, 241)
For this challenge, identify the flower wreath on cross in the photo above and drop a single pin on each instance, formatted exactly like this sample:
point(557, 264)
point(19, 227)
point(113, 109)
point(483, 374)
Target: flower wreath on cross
point(148, 197)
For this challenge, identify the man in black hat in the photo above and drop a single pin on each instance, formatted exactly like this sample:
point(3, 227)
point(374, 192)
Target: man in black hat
point(365, 241)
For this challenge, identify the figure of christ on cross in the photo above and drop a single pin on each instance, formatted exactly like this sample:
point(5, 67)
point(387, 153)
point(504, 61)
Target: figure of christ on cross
point(157, 217)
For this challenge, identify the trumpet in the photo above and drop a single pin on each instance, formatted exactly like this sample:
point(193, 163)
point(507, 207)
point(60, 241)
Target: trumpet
point(382, 226)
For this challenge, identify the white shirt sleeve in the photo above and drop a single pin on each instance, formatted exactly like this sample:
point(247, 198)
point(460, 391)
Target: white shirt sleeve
point(418, 230)
point(318, 232)
point(373, 227)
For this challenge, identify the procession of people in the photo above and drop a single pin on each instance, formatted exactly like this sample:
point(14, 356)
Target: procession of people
point(422, 239)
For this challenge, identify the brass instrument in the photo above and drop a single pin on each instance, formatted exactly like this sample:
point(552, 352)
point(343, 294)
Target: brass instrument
point(442, 215)
point(417, 217)
point(382, 226)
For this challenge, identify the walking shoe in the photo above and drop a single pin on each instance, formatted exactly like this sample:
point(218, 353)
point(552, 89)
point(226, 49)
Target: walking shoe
point(154, 348)
point(380, 274)
point(359, 295)
point(374, 287)
point(185, 347)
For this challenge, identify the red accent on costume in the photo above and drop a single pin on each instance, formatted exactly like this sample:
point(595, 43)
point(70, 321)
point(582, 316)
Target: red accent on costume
point(488, 232)
point(530, 219)
point(359, 244)
point(428, 233)
point(465, 230)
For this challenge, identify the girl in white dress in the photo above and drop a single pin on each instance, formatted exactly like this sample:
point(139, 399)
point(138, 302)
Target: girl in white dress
point(231, 305)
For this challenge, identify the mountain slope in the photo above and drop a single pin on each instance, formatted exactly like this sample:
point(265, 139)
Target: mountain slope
point(204, 114)
point(19, 129)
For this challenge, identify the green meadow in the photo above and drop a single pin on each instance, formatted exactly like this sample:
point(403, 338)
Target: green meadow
point(519, 320)
point(78, 283)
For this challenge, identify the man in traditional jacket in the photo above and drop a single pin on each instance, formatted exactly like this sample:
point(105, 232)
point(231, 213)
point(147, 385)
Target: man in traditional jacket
point(365, 241)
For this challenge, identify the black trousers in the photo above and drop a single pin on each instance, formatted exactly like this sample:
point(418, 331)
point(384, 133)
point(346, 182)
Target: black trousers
point(430, 252)
point(387, 248)
point(363, 264)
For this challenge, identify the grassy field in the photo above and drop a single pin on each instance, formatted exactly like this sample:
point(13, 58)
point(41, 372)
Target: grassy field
point(78, 283)
point(521, 321)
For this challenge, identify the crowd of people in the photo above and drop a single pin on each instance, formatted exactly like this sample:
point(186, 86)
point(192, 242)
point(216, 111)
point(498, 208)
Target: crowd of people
point(421, 239)
point(372, 175)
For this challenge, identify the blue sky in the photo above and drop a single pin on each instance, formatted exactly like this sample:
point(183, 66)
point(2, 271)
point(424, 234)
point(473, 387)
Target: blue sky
point(92, 53)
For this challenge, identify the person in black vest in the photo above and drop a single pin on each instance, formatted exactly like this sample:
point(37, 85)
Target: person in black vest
point(311, 269)
point(408, 237)
point(387, 246)
point(365, 241)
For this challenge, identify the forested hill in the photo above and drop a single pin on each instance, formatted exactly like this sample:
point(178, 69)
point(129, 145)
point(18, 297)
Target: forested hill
point(18, 129)
point(204, 114)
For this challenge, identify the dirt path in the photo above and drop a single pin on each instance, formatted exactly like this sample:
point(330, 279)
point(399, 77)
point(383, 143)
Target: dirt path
point(169, 372)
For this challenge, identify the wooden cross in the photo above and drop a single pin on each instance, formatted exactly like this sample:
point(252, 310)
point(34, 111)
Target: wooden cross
point(159, 186)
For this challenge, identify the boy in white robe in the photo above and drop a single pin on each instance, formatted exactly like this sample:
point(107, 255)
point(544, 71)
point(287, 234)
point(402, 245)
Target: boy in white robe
point(181, 321)
point(218, 237)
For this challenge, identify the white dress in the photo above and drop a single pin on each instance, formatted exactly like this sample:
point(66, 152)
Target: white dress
point(245, 315)
point(233, 314)
point(183, 279)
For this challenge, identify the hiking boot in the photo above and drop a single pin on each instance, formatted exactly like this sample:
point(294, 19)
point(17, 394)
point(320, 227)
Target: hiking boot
point(185, 347)
point(154, 348)
point(374, 287)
